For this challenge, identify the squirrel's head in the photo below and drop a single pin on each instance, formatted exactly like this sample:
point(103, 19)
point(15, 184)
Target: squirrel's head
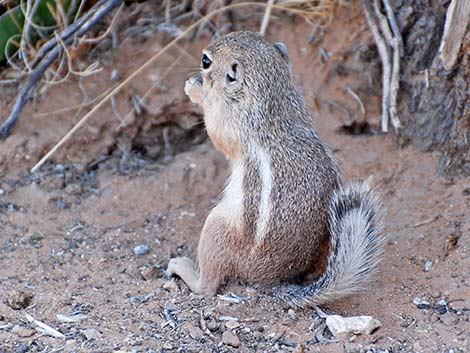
point(241, 74)
point(243, 66)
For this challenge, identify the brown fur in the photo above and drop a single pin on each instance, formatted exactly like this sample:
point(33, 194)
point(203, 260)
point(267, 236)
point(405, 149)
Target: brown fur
point(272, 223)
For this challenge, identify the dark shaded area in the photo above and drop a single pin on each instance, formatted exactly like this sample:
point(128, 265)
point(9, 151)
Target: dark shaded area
point(358, 128)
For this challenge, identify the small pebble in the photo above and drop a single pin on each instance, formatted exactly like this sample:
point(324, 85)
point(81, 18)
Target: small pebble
point(171, 306)
point(60, 204)
point(466, 192)
point(347, 326)
point(427, 266)
point(71, 318)
point(230, 339)
point(115, 75)
point(195, 332)
point(19, 300)
point(442, 302)
point(167, 345)
point(213, 325)
point(60, 168)
point(22, 348)
point(141, 249)
point(22, 331)
point(291, 314)
point(420, 301)
point(170, 286)
point(148, 273)
point(70, 343)
point(91, 334)
point(232, 324)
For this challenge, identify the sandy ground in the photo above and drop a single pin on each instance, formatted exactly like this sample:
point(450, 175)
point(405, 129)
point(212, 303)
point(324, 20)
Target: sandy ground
point(68, 233)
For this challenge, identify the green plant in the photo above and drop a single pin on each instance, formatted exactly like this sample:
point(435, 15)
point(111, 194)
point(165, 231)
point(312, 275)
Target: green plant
point(44, 16)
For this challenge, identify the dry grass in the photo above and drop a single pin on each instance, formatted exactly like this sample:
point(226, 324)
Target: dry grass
point(318, 12)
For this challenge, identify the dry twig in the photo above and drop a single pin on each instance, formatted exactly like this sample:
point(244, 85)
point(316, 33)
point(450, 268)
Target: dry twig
point(43, 328)
point(266, 16)
point(357, 99)
point(387, 40)
point(50, 53)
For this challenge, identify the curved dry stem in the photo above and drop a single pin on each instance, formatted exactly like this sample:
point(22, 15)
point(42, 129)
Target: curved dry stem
point(79, 28)
point(149, 62)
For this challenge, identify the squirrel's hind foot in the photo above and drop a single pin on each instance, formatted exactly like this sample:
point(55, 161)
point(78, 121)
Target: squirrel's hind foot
point(185, 268)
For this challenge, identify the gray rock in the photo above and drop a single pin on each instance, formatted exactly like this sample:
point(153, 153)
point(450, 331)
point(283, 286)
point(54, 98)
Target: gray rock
point(230, 339)
point(23, 331)
point(22, 348)
point(195, 332)
point(91, 334)
point(213, 325)
point(141, 249)
point(231, 324)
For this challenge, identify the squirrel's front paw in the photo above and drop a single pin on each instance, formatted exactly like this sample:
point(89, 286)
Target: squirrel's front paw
point(193, 89)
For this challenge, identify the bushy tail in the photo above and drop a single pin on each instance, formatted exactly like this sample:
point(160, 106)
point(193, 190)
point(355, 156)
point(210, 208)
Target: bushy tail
point(355, 249)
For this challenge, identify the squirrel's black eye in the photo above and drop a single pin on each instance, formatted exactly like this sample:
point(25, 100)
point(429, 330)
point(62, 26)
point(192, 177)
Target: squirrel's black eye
point(206, 62)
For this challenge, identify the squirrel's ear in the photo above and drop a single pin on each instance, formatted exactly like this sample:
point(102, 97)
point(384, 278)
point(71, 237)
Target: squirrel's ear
point(282, 49)
point(236, 72)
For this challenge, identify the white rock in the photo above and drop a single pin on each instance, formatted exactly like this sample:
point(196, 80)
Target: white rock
point(91, 334)
point(170, 286)
point(358, 325)
point(231, 324)
point(70, 318)
point(427, 266)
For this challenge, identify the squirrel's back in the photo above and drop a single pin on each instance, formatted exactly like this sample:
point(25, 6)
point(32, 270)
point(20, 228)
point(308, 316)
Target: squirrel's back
point(285, 207)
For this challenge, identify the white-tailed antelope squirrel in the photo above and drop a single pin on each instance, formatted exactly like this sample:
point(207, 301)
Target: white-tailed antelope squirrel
point(285, 208)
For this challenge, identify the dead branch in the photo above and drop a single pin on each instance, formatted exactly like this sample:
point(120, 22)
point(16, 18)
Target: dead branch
point(395, 84)
point(387, 40)
point(393, 43)
point(457, 19)
point(393, 23)
point(385, 58)
point(398, 52)
point(79, 28)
